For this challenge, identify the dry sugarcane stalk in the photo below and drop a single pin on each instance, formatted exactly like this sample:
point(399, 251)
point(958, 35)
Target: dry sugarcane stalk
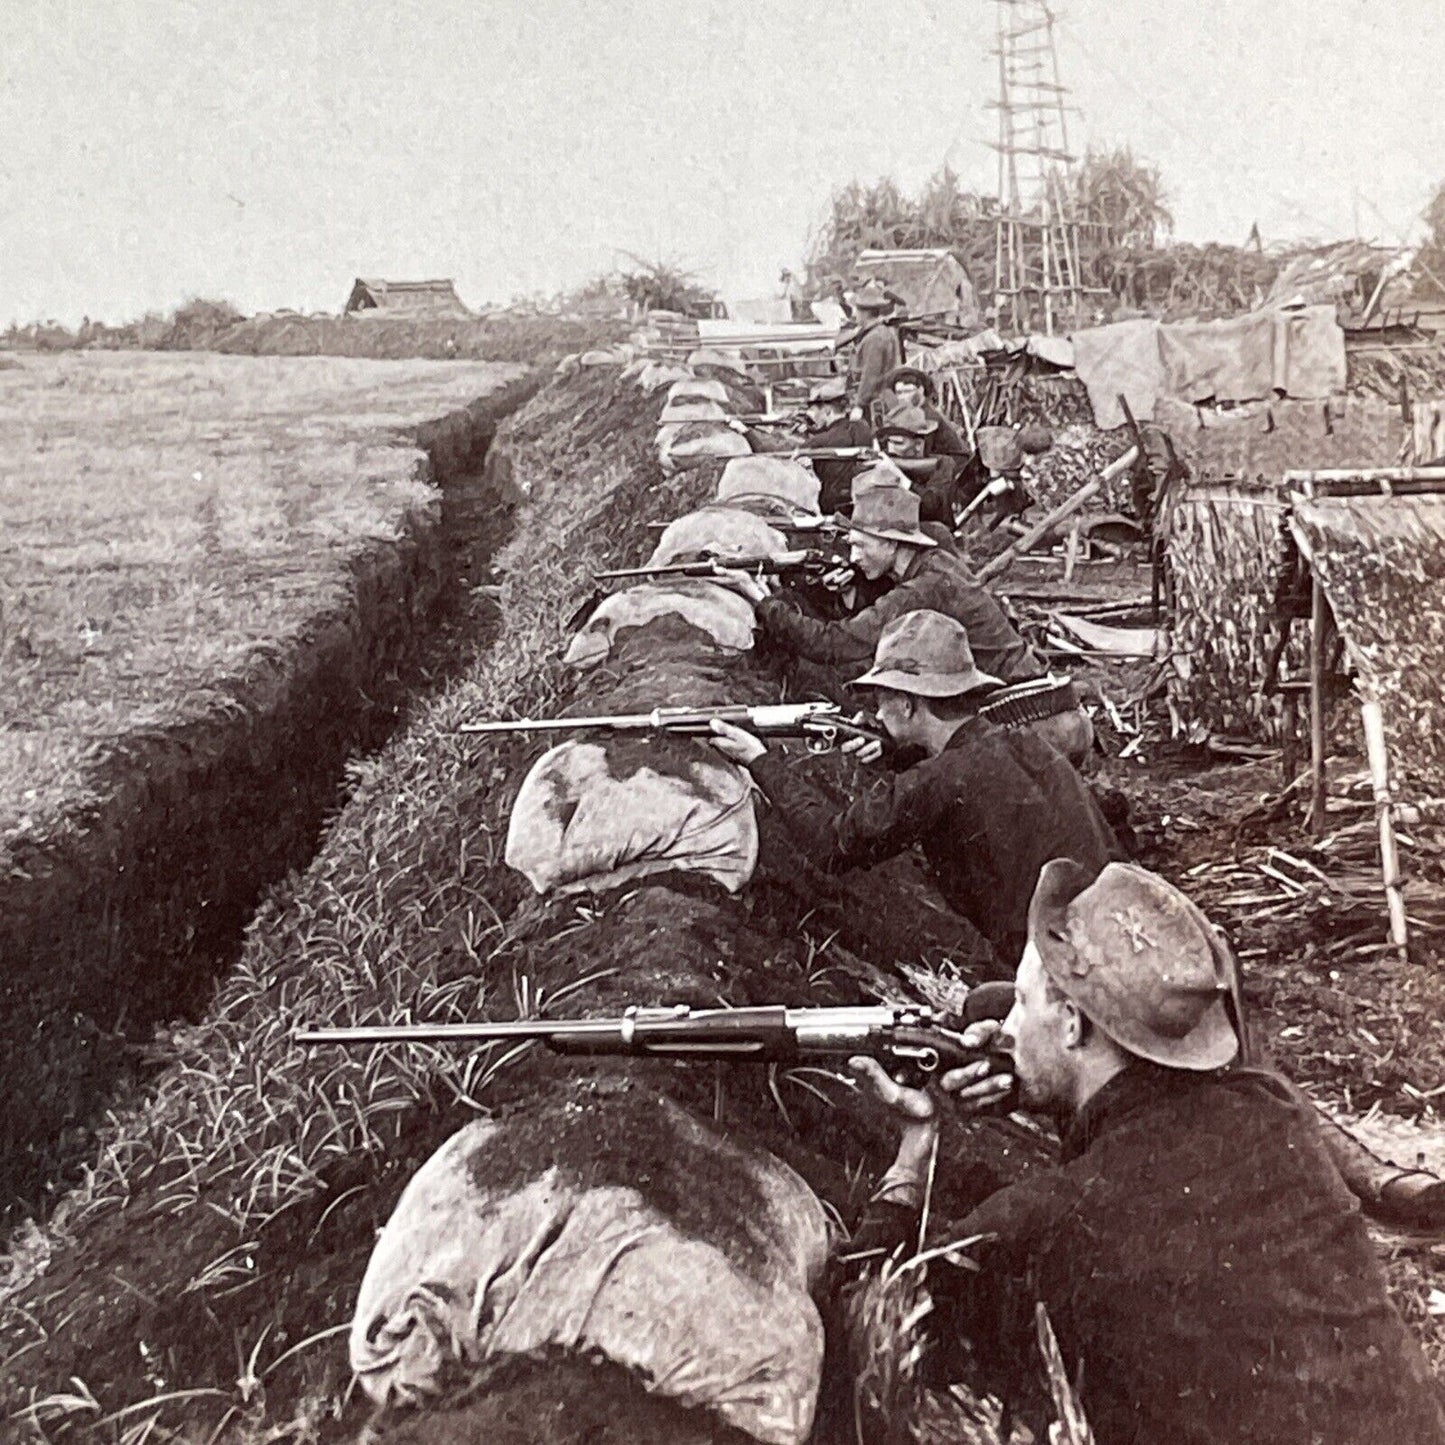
point(1374, 723)
point(1318, 780)
point(1073, 1425)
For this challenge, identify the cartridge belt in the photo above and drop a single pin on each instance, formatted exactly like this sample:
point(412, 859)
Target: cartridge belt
point(1027, 702)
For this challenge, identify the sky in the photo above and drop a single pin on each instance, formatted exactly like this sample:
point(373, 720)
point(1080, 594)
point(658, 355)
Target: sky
point(268, 151)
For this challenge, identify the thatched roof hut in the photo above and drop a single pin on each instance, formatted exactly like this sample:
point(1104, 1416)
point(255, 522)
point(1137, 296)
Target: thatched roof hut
point(1378, 552)
point(1356, 557)
point(1222, 530)
point(373, 297)
point(1365, 283)
point(931, 282)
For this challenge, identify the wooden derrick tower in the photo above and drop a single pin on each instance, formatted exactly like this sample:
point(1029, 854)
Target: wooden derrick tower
point(1037, 282)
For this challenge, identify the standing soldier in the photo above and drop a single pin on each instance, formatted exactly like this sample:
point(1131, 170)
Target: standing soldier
point(876, 348)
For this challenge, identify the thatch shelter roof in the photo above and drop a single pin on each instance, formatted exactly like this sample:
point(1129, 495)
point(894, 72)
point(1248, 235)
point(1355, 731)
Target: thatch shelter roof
point(931, 282)
point(404, 298)
point(1380, 558)
point(1361, 280)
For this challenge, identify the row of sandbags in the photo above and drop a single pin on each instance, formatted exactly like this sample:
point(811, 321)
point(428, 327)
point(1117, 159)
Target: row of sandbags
point(577, 825)
point(524, 1235)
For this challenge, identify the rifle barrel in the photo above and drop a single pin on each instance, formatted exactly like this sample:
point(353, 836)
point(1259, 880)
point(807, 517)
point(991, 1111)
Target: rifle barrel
point(476, 1033)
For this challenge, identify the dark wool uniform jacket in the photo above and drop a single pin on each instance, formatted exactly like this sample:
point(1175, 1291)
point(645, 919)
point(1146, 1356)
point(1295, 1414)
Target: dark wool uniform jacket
point(935, 579)
point(989, 811)
point(1207, 1274)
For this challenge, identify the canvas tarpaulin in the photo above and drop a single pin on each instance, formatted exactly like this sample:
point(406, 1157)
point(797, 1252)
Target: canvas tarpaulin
point(714, 609)
point(597, 815)
point(463, 1272)
point(1295, 353)
point(1120, 359)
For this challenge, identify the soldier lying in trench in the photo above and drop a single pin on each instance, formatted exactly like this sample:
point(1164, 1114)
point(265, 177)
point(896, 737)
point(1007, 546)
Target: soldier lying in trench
point(1205, 1271)
point(988, 805)
point(888, 545)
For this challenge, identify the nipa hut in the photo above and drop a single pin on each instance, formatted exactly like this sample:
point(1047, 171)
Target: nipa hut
point(931, 282)
point(1356, 555)
point(404, 299)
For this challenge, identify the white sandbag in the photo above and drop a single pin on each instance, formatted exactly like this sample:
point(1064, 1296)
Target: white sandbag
point(700, 442)
point(762, 476)
point(720, 359)
point(584, 822)
point(463, 1272)
point(600, 357)
point(718, 611)
point(690, 409)
point(728, 531)
point(699, 388)
point(661, 373)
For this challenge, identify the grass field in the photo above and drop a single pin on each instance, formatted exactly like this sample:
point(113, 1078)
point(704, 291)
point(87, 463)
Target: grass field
point(167, 521)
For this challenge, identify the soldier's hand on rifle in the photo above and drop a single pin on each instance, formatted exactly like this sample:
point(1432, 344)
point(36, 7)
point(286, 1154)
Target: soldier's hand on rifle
point(865, 750)
point(751, 589)
point(975, 1087)
point(733, 424)
point(838, 578)
point(736, 744)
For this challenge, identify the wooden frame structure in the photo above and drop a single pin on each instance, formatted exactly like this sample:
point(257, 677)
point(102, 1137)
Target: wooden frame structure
point(1382, 483)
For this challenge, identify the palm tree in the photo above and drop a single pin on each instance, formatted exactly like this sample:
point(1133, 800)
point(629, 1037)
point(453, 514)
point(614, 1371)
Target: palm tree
point(1123, 196)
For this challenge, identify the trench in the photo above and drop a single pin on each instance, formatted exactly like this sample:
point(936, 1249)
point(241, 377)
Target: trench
point(127, 923)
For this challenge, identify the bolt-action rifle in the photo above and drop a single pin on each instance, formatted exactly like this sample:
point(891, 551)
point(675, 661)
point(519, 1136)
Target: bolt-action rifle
point(912, 1043)
point(799, 564)
point(822, 725)
point(813, 522)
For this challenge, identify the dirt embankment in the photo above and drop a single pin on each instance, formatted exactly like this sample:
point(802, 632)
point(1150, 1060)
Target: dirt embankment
point(213, 1258)
point(126, 920)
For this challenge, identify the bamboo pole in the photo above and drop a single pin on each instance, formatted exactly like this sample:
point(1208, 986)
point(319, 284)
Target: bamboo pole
point(1317, 709)
point(1010, 554)
point(1374, 723)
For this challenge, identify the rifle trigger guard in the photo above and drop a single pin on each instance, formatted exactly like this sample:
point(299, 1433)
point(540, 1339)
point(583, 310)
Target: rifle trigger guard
point(922, 1057)
point(821, 739)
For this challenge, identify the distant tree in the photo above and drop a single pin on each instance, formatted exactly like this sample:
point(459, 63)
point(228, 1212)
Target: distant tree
point(881, 217)
point(1125, 197)
point(203, 311)
point(665, 286)
point(196, 324)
